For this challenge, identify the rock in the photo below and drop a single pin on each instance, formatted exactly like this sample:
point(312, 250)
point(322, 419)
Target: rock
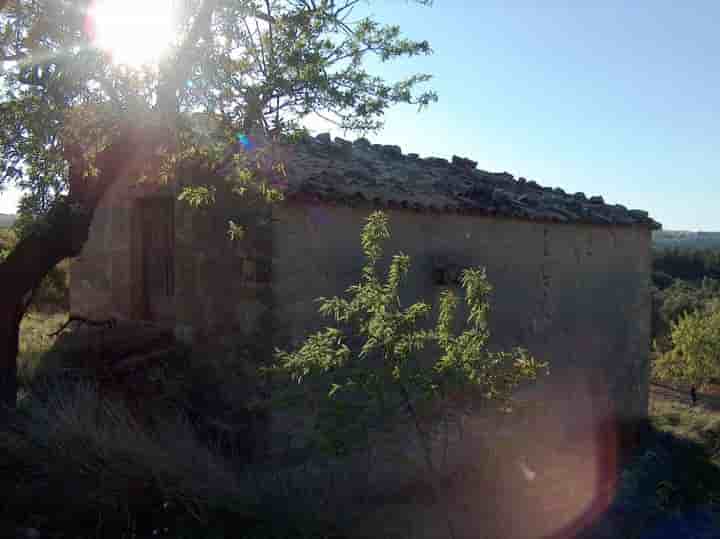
point(382, 169)
point(502, 176)
point(362, 142)
point(437, 161)
point(530, 199)
point(463, 162)
point(342, 142)
point(551, 215)
point(389, 149)
point(499, 195)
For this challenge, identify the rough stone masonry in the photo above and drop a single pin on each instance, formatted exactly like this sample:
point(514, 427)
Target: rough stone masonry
point(571, 273)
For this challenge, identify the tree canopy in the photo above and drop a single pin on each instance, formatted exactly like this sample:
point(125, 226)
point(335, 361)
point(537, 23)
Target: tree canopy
point(74, 119)
point(253, 63)
point(695, 353)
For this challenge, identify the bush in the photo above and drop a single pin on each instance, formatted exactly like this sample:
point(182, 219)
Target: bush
point(79, 465)
point(215, 392)
point(382, 364)
point(80, 462)
point(87, 457)
point(678, 299)
point(688, 264)
point(381, 360)
point(694, 356)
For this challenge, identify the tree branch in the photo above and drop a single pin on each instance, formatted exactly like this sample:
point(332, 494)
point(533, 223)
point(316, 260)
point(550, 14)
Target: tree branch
point(179, 72)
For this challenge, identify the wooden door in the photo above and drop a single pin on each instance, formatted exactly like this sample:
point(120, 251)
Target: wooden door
point(157, 238)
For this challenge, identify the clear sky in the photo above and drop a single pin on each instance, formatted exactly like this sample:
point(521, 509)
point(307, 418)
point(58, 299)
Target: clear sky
point(616, 98)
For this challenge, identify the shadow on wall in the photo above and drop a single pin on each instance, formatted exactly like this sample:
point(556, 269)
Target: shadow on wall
point(550, 471)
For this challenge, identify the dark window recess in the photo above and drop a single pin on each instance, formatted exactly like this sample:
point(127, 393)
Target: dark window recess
point(447, 275)
point(158, 246)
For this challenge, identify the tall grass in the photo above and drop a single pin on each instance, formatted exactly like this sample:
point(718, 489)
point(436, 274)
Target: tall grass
point(77, 461)
point(81, 462)
point(36, 341)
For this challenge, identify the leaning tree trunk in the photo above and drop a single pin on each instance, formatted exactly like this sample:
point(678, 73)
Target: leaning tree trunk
point(59, 235)
point(67, 225)
point(11, 314)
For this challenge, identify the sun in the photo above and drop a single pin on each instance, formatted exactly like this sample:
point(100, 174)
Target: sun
point(135, 33)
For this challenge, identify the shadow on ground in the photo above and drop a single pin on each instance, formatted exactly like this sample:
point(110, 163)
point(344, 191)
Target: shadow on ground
point(671, 487)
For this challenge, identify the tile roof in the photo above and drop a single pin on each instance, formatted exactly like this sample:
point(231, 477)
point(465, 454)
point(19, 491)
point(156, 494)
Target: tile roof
point(356, 172)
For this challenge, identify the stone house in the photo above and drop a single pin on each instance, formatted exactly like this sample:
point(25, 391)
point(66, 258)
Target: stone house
point(571, 274)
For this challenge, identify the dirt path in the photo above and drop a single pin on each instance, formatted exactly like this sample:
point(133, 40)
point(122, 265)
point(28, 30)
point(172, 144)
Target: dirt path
point(708, 400)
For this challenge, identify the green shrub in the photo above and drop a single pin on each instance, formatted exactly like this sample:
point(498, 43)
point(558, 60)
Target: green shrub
point(79, 461)
point(79, 465)
point(369, 368)
point(694, 356)
point(383, 362)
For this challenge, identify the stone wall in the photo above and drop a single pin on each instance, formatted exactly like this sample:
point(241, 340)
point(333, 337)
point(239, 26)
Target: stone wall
point(101, 276)
point(223, 284)
point(577, 296)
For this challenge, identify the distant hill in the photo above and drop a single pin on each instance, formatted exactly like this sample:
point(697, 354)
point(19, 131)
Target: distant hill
point(6, 220)
point(685, 239)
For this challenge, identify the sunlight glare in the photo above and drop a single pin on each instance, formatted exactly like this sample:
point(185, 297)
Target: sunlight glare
point(135, 33)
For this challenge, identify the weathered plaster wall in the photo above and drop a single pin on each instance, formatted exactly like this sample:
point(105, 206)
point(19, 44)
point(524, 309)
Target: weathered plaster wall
point(100, 278)
point(575, 295)
point(223, 284)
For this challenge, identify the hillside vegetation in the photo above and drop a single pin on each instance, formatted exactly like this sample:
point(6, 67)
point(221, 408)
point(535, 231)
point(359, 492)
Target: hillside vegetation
point(686, 239)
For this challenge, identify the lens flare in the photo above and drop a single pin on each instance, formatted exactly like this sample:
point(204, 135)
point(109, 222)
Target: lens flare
point(318, 216)
point(135, 33)
point(246, 141)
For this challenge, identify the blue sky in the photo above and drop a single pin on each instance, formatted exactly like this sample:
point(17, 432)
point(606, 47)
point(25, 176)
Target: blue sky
point(611, 98)
point(615, 98)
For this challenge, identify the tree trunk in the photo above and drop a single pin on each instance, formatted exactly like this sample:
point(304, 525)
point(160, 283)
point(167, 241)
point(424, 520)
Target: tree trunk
point(61, 234)
point(11, 315)
point(65, 230)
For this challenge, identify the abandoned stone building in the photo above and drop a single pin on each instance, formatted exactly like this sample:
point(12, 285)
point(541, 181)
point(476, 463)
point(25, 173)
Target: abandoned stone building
point(571, 274)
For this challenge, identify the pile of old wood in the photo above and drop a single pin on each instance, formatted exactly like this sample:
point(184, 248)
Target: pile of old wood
point(118, 355)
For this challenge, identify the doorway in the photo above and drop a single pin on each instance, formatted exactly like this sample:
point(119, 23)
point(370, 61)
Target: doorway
point(154, 248)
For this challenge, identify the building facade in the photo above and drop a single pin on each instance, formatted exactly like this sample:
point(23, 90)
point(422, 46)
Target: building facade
point(571, 274)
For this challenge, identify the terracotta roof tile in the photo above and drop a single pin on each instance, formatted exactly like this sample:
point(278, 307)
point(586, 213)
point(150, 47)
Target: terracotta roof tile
point(346, 172)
